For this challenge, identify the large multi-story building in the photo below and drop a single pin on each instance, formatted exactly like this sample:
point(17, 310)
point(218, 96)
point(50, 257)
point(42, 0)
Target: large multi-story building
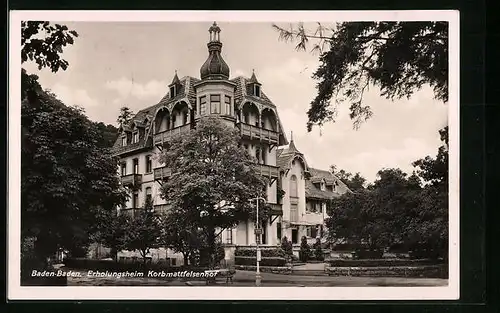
point(296, 192)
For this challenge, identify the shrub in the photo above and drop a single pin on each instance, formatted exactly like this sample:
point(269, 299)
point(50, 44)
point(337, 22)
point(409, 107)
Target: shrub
point(305, 250)
point(368, 254)
point(378, 262)
point(287, 246)
point(274, 252)
point(318, 250)
point(265, 261)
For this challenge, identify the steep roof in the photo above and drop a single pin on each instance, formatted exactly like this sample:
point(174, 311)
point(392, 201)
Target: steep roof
point(243, 92)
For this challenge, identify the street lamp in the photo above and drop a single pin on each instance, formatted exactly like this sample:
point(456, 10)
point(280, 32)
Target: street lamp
point(258, 232)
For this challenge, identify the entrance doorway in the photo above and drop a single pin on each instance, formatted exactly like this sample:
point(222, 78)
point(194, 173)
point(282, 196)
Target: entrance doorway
point(295, 236)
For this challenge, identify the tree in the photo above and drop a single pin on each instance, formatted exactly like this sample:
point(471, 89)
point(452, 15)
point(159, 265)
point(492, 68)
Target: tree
point(318, 251)
point(397, 57)
point(432, 232)
point(109, 134)
point(287, 246)
point(144, 231)
point(111, 230)
point(212, 180)
point(65, 175)
point(182, 236)
point(125, 116)
point(305, 250)
point(354, 182)
point(46, 48)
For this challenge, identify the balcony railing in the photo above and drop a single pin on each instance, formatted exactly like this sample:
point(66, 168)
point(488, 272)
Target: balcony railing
point(166, 135)
point(131, 179)
point(267, 170)
point(255, 132)
point(161, 173)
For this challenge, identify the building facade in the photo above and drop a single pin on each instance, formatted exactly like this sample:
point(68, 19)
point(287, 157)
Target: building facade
point(296, 192)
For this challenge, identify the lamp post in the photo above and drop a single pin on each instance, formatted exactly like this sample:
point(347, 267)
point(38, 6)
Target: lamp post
point(258, 232)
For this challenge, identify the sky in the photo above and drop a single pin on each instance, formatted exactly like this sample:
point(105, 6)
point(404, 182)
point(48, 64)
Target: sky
point(113, 64)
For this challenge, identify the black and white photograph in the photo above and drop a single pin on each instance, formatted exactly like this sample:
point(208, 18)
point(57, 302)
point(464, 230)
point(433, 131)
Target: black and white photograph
point(233, 155)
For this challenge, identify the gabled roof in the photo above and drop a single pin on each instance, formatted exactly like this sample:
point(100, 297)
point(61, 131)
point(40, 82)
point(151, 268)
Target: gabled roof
point(186, 90)
point(242, 92)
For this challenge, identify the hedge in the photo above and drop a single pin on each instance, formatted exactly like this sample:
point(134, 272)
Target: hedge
point(266, 269)
point(265, 261)
point(265, 253)
point(378, 262)
point(431, 271)
point(111, 265)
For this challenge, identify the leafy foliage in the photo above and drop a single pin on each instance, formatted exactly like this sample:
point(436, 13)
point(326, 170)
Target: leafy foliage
point(66, 176)
point(287, 246)
point(354, 182)
point(43, 43)
point(212, 179)
point(182, 236)
point(109, 134)
point(125, 116)
point(305, 250)
point(318, 250)
point(144, 230)
point(397, 208)
point(397, 57)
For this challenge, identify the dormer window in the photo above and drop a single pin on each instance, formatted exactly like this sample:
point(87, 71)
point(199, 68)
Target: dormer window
point(173, 91)
point(256, 89)
point(322, 186)
point(124, 140)
point(135, 137)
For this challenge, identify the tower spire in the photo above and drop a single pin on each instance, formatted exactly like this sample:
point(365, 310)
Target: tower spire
point(214, 67)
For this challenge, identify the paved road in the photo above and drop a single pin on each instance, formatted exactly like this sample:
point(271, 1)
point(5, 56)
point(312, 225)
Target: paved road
point(247, 278)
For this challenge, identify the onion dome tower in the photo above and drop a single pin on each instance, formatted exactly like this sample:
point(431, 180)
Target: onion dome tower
point(214, 67)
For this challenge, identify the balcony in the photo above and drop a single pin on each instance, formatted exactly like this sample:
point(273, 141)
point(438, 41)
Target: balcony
point(267, 170)
point(166, 135)
point(255, 132)
point(132, 180)
point(161, 173)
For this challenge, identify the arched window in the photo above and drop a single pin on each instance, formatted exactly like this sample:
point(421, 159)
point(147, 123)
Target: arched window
point(293, 187)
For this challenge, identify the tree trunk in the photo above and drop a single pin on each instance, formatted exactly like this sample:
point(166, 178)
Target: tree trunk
point(185, 255)
point(211, 247)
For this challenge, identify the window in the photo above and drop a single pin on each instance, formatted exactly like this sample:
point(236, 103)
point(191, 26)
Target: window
point(184, 118)
point(314, 231)
point(149, 164)
point(263, 156)
point(245, 118)
point(215, 104)
point(227, 102)
point(136, 137)
point(135, 200)
point(278, 230)
point(173, 261)
point(149, 194)
point(322, 186)
point(293, 187)
point(257, 90)
point(123, 168)
point(264, 233)
point(229, 236)
point(203, 105)
point(136, 166)
point(258, 155)
point(320, 231)
point(174, 119)
point(124, 140)
point(173, 92)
